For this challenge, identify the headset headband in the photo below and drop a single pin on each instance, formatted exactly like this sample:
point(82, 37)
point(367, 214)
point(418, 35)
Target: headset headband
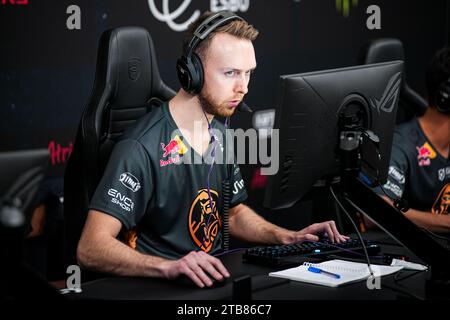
point(207, 26)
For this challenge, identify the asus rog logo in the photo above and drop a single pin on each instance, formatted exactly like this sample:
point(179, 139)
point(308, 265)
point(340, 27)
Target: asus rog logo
point(390, 94)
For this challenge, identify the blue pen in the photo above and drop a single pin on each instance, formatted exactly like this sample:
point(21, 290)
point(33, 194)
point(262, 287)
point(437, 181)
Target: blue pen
point(317, 270)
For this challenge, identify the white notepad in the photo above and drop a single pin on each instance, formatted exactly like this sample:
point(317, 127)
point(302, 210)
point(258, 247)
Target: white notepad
point(348, 271)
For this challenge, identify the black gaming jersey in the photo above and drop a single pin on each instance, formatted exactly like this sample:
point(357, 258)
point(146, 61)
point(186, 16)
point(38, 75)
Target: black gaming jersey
point(157, 185)
point(417, 172)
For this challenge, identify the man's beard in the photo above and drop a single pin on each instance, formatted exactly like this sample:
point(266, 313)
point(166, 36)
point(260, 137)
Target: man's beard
point(211, 107)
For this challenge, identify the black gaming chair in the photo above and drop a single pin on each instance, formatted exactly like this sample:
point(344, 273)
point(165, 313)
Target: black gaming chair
point(127, 85)
point(411, 104)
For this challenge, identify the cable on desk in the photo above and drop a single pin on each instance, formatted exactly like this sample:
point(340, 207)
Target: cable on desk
point(228, 252)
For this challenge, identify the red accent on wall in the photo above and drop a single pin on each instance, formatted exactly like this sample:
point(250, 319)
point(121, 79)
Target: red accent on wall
point(59, 154)
point(14, 2)
point(258, 180)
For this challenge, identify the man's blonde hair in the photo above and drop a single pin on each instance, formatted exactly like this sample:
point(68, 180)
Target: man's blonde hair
point(237, 28)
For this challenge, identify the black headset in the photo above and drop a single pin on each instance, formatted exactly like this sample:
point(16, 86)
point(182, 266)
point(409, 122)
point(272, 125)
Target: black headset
point(189, 66)
point(442, 99)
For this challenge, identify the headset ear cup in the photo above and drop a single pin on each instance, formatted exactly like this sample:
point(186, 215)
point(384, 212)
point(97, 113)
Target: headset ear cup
point(183, 73)
point(443, 98)
point(197, 85)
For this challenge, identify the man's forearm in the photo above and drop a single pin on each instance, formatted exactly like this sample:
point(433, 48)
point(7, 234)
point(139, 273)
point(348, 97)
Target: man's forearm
point(432, 222)
point(109, 255)
point(424, 219)
point(245, 224)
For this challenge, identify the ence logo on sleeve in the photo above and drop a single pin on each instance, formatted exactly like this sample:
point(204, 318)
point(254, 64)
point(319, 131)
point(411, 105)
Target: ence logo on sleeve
point(121, 200)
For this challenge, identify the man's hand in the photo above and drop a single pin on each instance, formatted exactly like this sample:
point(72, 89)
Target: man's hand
point(310, 233)
point(197, 265)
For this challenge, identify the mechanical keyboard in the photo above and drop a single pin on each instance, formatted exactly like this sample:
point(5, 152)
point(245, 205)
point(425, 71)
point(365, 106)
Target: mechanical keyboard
point(295, 254)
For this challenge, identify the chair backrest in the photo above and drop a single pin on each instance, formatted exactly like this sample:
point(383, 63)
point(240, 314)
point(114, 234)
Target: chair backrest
point(127, 86)
point(411, 104)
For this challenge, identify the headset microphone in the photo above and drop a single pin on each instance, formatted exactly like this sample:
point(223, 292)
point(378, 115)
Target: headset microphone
point(243, 107)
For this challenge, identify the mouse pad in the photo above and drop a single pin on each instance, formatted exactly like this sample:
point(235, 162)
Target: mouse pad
point(225, 291)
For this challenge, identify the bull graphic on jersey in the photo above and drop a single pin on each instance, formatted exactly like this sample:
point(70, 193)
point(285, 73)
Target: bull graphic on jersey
point(204, 220)
point(442, 203)
point(425, 154)
point(174, 148)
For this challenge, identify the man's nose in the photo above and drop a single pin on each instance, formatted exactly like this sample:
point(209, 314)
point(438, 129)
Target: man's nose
point(242, 84)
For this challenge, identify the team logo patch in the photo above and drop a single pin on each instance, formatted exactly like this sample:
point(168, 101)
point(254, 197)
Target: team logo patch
point(130, 181)
point(204, 219)
point(442, 203)
point(397, 174)
point(394, 188)
point(121, 200)
point(441, 174)
point(174, 148)
point(425, 154)
point(238, 185)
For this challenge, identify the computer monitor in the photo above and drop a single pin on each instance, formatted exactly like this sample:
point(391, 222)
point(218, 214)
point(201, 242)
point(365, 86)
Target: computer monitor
point(313, 112)
point(20, 174)
point(314, 108)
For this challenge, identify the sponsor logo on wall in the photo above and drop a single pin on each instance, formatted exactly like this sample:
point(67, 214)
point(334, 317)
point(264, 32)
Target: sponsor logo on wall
point(161, 11)
point(14, 2)
point(373, 21)
point(58, 153)
point(343, 6)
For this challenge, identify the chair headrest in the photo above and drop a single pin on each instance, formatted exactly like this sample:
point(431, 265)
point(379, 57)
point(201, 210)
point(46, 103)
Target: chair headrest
point(125, 56)
point(382, 50)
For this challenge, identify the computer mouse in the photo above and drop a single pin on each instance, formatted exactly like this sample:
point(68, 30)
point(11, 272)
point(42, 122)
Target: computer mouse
point(221, 283)
point(185, 281)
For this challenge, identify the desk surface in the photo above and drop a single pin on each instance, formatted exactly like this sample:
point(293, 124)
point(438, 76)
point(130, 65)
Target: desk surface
point(263, 286)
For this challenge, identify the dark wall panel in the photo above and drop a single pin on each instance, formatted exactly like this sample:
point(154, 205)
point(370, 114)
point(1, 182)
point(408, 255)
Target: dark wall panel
point(47, 71)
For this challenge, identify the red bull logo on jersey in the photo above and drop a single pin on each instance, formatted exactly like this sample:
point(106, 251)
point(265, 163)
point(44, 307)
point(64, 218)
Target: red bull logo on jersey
point(174, 148)
point(171, 148)
point(425, 154)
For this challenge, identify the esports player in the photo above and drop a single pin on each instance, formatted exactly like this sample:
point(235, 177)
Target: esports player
point(172, 207)
point(419, 170)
